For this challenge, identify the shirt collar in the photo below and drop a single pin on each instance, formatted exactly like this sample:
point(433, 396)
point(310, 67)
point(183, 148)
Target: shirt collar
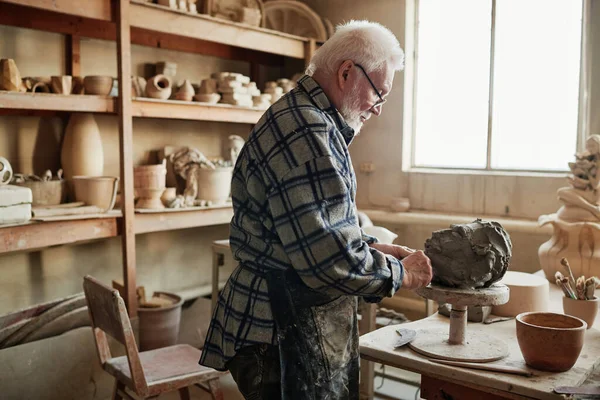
point(320, 99)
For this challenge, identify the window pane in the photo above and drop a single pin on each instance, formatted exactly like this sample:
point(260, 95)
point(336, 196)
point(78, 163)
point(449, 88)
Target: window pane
point(536, 83)
point(452, 88)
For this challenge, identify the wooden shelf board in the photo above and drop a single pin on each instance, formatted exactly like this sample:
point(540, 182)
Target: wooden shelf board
point(27, 102)
point(96, 9)
point(36, 235)
point(163, 19)
point(166, 221)
point(174, 109)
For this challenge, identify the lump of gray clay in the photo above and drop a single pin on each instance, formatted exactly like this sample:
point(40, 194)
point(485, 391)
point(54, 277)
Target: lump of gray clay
point(469, 256)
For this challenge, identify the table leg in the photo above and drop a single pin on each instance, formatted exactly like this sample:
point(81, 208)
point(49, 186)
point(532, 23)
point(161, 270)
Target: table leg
point(367, 368)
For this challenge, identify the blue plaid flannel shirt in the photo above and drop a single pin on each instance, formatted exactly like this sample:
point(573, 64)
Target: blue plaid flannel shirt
point(293, 192)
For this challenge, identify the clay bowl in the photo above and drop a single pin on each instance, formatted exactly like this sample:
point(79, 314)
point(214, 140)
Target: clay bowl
point(211, 98)
point(98, 84)
point(214, 185)
point(45, 193)
point(99, 191)
point(584, 309)
point(550, 341)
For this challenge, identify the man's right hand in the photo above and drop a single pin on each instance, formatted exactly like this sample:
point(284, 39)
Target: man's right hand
point(417, 270)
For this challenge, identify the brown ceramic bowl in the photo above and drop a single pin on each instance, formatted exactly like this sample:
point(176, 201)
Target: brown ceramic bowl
point(98, 84)
point(550, 341)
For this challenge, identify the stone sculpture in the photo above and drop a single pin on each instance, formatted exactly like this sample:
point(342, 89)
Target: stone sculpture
point(469, 256)
point(576, 225)
point(187, 162)
point(235, 146)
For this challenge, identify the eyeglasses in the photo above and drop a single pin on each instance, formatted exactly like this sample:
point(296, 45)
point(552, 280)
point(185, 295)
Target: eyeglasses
point(381, 99)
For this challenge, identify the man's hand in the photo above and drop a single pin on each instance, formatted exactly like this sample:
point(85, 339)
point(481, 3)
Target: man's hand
point(393, 249)
point(417, 270)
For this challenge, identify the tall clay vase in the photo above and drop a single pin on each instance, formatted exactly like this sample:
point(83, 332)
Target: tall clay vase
point(578, 242)
point(81, 152)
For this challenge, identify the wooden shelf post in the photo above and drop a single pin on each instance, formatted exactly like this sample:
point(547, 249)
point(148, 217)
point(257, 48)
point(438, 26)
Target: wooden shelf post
point(126, 156)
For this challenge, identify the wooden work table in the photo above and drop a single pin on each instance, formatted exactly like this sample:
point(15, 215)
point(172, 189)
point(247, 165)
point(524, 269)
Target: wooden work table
point(442, 382)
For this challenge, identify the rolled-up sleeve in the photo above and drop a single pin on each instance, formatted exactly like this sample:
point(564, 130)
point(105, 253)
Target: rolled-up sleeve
point(315, 218)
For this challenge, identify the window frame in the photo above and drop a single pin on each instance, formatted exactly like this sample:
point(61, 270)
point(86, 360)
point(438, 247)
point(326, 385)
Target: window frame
point(410, 93)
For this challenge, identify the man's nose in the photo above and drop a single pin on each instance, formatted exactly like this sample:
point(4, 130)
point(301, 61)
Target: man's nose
point(377, 109)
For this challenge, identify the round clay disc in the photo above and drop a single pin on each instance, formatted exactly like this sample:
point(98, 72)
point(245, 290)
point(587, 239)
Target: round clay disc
point(494, 295)
point(478, 347)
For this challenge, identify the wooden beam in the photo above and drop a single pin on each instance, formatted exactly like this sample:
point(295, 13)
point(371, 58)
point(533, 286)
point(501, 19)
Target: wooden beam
point(15, 15)
point(157, 222)
point(126, 153)
point(309, 50)
point(23, 103)
point(152, 108)
point(38, 235)
point(73, 55)
point(97, 9)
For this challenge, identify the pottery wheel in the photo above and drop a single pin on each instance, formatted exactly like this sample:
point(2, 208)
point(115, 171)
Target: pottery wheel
point(457, 343)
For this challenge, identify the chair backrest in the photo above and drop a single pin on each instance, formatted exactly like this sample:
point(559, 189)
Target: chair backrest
point(108, 315)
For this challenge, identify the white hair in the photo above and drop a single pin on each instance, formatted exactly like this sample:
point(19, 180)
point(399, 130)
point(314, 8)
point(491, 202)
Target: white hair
point(369, 44)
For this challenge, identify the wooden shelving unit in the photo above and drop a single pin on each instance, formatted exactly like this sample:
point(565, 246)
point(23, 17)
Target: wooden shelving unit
point(135, 22)
point(173, 109)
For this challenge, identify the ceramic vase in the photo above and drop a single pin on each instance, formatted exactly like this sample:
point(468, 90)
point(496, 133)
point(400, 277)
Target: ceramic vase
point(578, 242)
point(158, 87)
point(81, 152)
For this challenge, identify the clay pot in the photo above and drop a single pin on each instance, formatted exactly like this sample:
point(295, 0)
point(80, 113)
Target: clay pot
point(550, 341)
point(150, 177)
point(168, 195)
point(46, 193)
point(159, 87)
point(149, 198)
point(40, 87)
point(214, 185)
point(211, 98)
point(10, 78)
point(138, 86)
point(81, 152)
point(159, 327)
point(62, 84)
point(583, 309)
point(78, 87)
point(99, 191)
point(185, 92)
point(98, 84)
point(400, 204)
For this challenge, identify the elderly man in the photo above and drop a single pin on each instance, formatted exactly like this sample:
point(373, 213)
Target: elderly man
point(286, 321)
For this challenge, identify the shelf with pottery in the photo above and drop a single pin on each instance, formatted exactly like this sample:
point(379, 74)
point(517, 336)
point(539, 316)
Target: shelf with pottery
point(174, 109)
point(24, 102)
point(96, 9)
point(157, 18)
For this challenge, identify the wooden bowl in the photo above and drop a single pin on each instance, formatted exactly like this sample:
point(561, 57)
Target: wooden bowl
point(98, 84)
point(550, 341)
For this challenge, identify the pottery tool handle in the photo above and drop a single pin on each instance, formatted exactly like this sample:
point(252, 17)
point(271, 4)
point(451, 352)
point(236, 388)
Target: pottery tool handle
point(486, 367)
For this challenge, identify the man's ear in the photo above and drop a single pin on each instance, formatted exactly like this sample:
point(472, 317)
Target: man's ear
point(343, 72)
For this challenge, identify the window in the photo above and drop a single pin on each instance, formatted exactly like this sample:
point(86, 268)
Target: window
point(497, 84)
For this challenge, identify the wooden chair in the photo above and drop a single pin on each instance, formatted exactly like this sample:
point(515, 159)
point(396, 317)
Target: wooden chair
point(149, 373)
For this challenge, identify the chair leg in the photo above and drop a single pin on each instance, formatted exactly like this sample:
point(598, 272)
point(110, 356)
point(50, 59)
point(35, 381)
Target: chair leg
point(184, 393)
point(119, 387)
point(215, 389)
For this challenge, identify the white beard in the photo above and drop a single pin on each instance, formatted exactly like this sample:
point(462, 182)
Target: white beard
point(350, 104)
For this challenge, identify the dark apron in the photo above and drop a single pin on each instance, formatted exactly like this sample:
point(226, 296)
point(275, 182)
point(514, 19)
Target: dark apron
point(318, 340)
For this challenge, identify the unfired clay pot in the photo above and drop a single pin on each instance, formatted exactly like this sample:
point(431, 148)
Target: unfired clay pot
point(62, 84)
point(98, 84)
point(159, 87)
point(99, 191)
point(81, 152)
point(214, 184)
point(550, 341)
point(528, 292)
point(584, 309)
point(185, 92)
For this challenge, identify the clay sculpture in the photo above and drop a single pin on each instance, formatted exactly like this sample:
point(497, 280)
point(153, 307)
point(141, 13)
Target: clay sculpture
point(469, 256)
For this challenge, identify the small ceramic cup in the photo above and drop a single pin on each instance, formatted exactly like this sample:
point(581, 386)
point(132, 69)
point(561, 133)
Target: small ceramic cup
point(583, 309)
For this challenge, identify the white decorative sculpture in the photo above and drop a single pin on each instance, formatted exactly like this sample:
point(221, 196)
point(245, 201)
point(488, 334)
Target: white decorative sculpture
point(235, 146)
point(577, 223)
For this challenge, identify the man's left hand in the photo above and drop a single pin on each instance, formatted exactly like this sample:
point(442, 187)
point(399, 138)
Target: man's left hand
point(393, 249)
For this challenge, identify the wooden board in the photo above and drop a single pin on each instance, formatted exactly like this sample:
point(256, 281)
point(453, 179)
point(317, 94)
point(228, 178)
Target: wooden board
point(164, 221)
point(97, 9)
point(193, 110)
point(76, 217)
point(175, 210)
point(56, 102)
